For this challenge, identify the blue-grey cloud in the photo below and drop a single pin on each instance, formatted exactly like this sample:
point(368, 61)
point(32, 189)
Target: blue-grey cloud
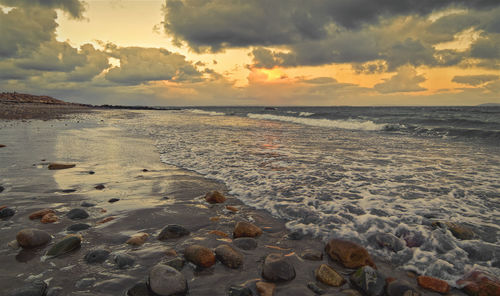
point(75, 8)
point(475, 80)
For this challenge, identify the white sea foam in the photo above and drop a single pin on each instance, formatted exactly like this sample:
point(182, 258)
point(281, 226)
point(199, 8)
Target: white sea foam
point(204, 112)
point(350, 124)
point(306, 114)
point(342, 183)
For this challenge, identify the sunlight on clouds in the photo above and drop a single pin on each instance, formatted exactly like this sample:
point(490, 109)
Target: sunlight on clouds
point(462, 41)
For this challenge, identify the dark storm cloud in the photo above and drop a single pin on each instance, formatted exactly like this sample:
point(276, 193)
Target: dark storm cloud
point(75, 8)
point(474, 80)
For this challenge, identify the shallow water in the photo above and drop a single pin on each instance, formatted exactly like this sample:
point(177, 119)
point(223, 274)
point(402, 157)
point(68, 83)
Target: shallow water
point(347, 182)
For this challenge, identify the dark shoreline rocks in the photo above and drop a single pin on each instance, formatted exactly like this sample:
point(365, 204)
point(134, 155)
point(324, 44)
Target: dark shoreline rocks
point(229, 256)
point(32, 238)
point(77, 214)
point(276, 268)
point(172, 231)
point(67, 244)
point(349, 254)
point(167, 281)
point(200, 256)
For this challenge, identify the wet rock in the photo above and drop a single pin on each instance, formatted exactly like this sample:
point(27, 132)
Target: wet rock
point(91, 172)
point(100, 187)
point(229, 256)
point(387, 241)
point(265, 288)
point(60, 166)
point(165, 281)
point(433, 284)
point(239, 291)
point(138, 239)
point(2, 189)
point(112, 200)
point(36, 288)
point(31, 238)
point(327, 275)
point(172, 231)
point(14, 244)
point(2, 146)
point(276, 268)
point(296, 235)
point(67, 244)
point(232, 209)
point(315, 288)
point(245, 243)
point(215, 197)
point(105, 220)
point(176, 262)
point(39, 214)
point(55, 291)
point(369, 280)
point(49, 218)
point(123, 260)
point(219, 233)
point(312, 254)
point(76, 214)
point(7, 212)
point(458, 230)
point(78, 227)
point(245, 229)
point(397, 288)
point(96, 256)
point(68, 190)
point(85, 283)
point(348, 292)
point(139, 289)
point(478, 283)
point(349, 254)
point(87, 204)
point(200, 255)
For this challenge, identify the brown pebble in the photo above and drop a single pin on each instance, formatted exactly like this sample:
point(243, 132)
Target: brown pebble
point(215, 197)
point(60, 166)
point(433, 284)
point(232, 209)
point(1, 146)
point(138, 239)
point(350, 254)
point(199, 255)
point(171, 252)
point(245, 229)
point(106, 220)
point(39, 214)
point(49, 218)
point(104, 211)
point(265, 288)
point(100, 187)
point(214, 219)
point(218, 233)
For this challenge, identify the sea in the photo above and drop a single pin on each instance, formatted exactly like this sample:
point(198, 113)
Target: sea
point(388, 178)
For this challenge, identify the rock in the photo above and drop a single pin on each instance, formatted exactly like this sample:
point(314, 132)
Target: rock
point(31, 238)
point(2, 146)
point(55, 291)
point(387, 241)
point(78, 227)
point(276, 268)
point(245, 243)
point(36, 288)
point(265, 288)
point(312, 254)
point(85, 283)
point(165, 280)
point(349, 254)
point(145, 170)
point(315, 288)
point(232, 209)
point(14, 244)
point(40, 213)
point(67, 244)
point(100, 187)
point(478, 283)
point(176, 262)
point(459, 231)
point(49, 218)
point(60, 166)
point(123, 260)
point(296, 235)
point(105, 220)
point(245, 229)
point(239, 291)
point(139, 289)
point(91, 172)
point(112, 200)
point(369, 281)
point(327, 275)
point(215, 197)
point(2, 189)
point(138, 239)
point(199, 255)
point(96, 256)
point(7, 212)
point(172, 231)
point(229, 256)
point(397, 288)
point(76, 214)
point(218, 233)
point(87, 204)
point(433, 284)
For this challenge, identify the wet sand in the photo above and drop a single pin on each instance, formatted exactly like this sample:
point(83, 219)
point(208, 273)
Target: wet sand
point(151, 195)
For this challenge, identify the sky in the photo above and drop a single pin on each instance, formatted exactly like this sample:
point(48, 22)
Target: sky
point(253, 52)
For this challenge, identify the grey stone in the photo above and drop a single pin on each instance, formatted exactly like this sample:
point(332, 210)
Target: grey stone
point(239, 291)
point(387, 241)
point(66, 245)
point(96, 256)
point(312, 254)
point(77, 227)
point(172, 231)
point(55, 291)
point(85, 283)
point(245, 243)
point(397, 288)
point(36, 288)
point(315, 288)
point(229, 256)
point(277, 268)
point(87, 204)
point(123, 260)
point(31, 238)
point(176, 262)
point(369, 280)
point(165, 281)
point(113, 200)
point(140, 289)
point(75, 214)
point(7, 212)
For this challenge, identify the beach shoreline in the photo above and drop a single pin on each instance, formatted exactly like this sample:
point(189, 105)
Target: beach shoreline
point(151, 195)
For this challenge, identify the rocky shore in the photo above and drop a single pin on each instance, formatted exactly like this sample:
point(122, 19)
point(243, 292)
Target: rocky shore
point(89, 210)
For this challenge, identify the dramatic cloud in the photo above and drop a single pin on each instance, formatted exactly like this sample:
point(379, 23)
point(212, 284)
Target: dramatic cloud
point(406, 80)
point(475, 80)
point(75, 8)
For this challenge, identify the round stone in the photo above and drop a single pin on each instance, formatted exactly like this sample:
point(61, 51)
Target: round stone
point(165, 281)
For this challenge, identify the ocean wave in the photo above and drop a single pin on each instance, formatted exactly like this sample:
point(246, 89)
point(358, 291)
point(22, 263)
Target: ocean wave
point(306, 114)
point(350, 124)
point(204, 112)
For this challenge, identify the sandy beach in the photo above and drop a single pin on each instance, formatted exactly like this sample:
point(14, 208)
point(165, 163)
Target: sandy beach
point(151, 195)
